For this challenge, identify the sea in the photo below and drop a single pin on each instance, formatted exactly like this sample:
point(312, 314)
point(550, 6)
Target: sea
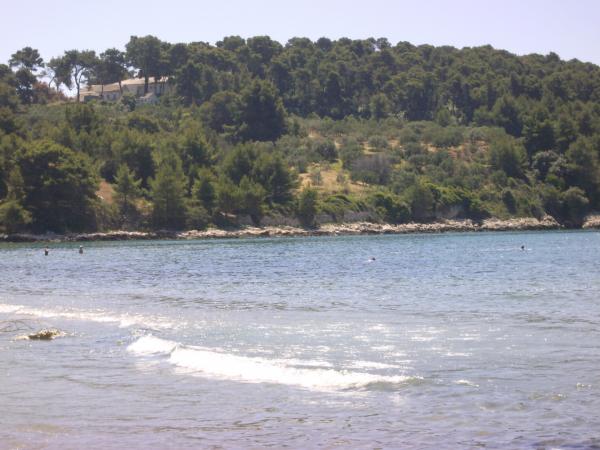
point(420, 341)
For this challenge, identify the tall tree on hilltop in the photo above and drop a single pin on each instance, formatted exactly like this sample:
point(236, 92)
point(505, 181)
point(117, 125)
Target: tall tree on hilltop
point(178, 56)
point(261, 50)
point(9, 103)
point(111, 68)
point(188, 83)
point(196, 83)
point(164, 63)
point(26, 58)
point(59, 72)
point(80, 64)
point(25, 81)
point(145, 53)
point(27, 61)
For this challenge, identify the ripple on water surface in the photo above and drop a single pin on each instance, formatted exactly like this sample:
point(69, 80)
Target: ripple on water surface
point(444, 341)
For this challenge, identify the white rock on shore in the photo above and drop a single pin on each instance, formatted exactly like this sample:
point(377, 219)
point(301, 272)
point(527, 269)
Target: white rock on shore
point(329, 229)
point(592, 221)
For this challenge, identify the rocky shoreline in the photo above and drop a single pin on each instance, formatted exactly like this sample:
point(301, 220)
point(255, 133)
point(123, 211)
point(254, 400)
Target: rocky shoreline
point(591, 221)
point(330, 229)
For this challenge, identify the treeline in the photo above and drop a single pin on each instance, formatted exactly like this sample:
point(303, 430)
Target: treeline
point(164, 173)
point(410, 132)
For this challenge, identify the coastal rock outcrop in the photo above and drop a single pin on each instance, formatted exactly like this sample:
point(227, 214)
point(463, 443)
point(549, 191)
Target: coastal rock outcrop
point(326, 229)
point(523, 223)
point(591, 221)
point(46, 334)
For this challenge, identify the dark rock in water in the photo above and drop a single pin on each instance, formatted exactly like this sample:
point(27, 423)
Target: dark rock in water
point(46, 334)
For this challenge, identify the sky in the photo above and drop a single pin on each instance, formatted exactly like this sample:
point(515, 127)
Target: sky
point(569, 28)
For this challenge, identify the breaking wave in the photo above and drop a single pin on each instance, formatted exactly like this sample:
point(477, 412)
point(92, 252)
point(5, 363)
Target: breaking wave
point(124, 320)
point(233, 367)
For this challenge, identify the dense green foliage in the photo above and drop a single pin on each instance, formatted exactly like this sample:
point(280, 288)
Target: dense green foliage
point(408, 132)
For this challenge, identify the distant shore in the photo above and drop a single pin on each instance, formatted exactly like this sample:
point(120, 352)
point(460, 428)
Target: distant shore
point(329, 229)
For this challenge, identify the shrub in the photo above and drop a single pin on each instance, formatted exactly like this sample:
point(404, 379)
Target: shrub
point(315, 176)
point(509, 201)
point(575, 205)
point(13, 217)
point(446, 137)
point(307, 207)
point(373, 169)
point(509, 156)
point(338, 204)
point(378, 142)
point(349, 152)
point(197, 217)
point(421, 201)
point(391, 207)
point(326, 149)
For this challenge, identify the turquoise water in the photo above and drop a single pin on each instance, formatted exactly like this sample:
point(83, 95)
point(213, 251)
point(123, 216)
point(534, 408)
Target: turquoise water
point(442, 341)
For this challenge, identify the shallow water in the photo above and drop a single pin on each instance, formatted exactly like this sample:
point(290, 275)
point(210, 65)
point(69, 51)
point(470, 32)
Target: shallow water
point(443, 341)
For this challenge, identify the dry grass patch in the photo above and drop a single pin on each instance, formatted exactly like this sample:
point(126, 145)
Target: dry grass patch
point(331, 179)
point(106, 192)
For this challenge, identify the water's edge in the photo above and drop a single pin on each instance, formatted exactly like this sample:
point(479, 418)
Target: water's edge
point(337, 229)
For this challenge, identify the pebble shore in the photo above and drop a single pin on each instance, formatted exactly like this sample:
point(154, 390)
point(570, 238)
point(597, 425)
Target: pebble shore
point(330, 229)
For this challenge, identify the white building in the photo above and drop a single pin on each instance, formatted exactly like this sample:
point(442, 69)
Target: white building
point(133, 86)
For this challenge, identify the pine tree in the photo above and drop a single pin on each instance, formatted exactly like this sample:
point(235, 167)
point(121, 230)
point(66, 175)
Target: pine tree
point(167, 190)
point(127, 190)
point(13, 216)
point(204, 189)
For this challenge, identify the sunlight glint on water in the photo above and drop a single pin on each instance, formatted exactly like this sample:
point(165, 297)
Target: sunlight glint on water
point(443, 341)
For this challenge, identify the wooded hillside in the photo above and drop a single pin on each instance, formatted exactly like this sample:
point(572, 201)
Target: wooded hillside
point(307, 130)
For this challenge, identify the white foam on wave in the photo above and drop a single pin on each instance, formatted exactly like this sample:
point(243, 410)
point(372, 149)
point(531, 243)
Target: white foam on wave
point(124, 320)
point(305, 362)
point(224, 366)
point(8, 309)
point(466, 383)
point(371, 365)
point(150, 345)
